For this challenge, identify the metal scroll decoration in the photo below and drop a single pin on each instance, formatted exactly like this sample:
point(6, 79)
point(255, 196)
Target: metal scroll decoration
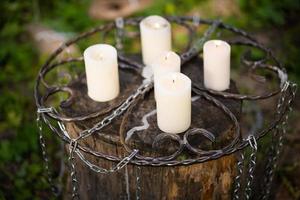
point(51, 117)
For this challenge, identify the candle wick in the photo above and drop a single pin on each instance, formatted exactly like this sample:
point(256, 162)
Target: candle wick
point(98, 56)
point(173, 81)
point(217, 43)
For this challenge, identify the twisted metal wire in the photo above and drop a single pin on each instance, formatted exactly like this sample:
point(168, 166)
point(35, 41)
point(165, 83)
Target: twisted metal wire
point(47, 114)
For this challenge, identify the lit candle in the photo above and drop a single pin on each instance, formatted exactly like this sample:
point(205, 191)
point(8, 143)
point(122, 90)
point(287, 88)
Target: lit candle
point(216, 58)
point(102, 75)
point(155, 37)
point(167, 62)
point(173, 102)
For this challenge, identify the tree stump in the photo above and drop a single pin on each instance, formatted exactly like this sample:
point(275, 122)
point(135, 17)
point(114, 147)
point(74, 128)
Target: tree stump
point(208, 180)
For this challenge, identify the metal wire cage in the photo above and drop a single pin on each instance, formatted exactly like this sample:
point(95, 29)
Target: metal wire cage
point(55, 120)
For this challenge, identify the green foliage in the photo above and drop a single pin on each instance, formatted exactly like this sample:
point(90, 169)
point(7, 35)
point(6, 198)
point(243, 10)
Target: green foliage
point(68, 16)
point(281, 16)
point(20, 161)
point(290, 57)
point(264, 13)
point(170, 7)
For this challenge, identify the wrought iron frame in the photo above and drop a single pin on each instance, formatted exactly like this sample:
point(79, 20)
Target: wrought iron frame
point(55, 121)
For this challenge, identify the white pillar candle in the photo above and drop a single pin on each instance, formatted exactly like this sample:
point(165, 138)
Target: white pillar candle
point(155, 37)
point(216, 58)
point(167, 62)
point(173, 102)
point(102, 75)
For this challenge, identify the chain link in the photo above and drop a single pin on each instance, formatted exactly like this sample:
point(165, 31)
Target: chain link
point(119, 32)
point(141, 90)
point(101, 170)
point(48, 171)
point(117, 112)
point(74, 180)
point(251, 167)
point(127, 183)
point(238, 178)
point(196, 20)
point(74, 142)
point(44, 110)
point(194, 50)
point(138, 183)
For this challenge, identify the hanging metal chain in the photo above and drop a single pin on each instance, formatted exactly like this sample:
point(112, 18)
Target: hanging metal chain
point(272, 162)
point(238, 178)
point(138, 183)
point(186, 56)
point(196, 20)
point(119, 33)
point(197, 46)
point(48, 171)
point(251, 167)
point(73, 145)
point(127, 184)
point(74, 180)
point(277, 140)
point(117, 112)
point(117, 167)
point(73, 149)
point(237, 193)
